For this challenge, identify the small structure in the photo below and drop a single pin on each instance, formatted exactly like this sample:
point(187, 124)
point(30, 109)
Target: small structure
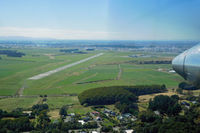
point(98, 118)
point(86, 119)
point(133, 118)
point(120, 117)
point(112, 113)
point(68, 119)
point(55, 121)
point(129, 131)
point(157, 112)
point(127, 115)
point(107, 111)
point(82, 132)
point(81, 121)
point(194, 102)
point(95, 113)
point(188, 107)
point(171, 71)
point(27, 112)
point(185, 103)
point(72, 114)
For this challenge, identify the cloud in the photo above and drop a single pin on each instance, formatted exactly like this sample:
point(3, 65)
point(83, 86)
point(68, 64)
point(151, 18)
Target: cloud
point(54, 33)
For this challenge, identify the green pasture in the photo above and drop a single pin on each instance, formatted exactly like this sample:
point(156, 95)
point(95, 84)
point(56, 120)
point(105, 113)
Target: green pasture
point(100, 71)
point(10, 104)
point(58, 102)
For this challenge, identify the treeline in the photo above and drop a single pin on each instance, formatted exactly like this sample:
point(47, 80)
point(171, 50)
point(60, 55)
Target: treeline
point(145, 89)
point(16, 113)
point(72, 51)
point(118, 46)
point(113, 94)
point(156, 62)
point(165, 105)
point(11, 53)
point(105, 96)
point(16, 125)
point(69, 50)
point(188, 86)
point(21, 122)
point(170, 120)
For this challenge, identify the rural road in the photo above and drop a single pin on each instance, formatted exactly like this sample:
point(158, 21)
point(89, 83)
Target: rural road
point(42, 75)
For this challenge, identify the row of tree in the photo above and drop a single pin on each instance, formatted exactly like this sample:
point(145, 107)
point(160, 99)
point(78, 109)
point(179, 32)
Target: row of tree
point(105, 96)
point(145, 89)
point(188, 86)
point(156, 62)
point(113, 94)
point(72, 51)
point(11, 53)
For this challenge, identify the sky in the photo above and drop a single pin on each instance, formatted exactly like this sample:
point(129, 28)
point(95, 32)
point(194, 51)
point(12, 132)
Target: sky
point(101, 19)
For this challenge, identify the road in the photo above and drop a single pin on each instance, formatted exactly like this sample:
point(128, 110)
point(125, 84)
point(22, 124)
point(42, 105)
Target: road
point(42, 75)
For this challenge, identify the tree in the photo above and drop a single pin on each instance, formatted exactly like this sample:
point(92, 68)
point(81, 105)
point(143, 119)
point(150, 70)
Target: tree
point(179, 90)
point(42, 120)
point(63, 111)
point(182, 85)
point(127, 107)
point(165, 105)
point(106, 129)
point(175, 97)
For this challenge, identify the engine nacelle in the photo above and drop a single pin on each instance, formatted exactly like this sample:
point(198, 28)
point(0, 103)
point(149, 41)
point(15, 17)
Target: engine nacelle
point(187, 64)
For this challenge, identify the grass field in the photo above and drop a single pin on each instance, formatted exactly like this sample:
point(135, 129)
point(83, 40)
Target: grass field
point(58, 102)
point(72, 103)
point(9, 104)
point(112, 68)
point(101, 71)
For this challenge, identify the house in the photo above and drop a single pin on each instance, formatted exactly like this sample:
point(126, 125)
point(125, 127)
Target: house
point(68, 119)
point(185, 103)
point(112, 113)
point(129, 131)
point(82, 132)
point(120, 117)
point(157, 112)
point(72, 114)
point(95, 113)
point(194, 102)
point(81, 121)
point(188, 107)
point(171, 71)
point(107, 111)
point(86, 119)
point(127, 115)
point(133, 118)
point(27, 112)
point(55, 121)
point(98, 118)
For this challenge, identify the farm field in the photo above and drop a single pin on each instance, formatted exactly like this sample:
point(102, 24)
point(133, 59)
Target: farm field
point(112, 68)
point(100, 71)
point(10, 104)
